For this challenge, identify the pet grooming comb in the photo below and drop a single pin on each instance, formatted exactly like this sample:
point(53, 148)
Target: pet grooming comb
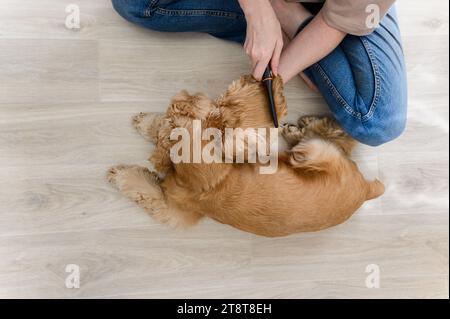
point(268, 80)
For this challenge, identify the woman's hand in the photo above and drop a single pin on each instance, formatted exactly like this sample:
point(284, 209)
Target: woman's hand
point(264, 41)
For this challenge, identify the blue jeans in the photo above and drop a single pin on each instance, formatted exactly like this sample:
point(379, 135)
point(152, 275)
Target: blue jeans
point(363, 80)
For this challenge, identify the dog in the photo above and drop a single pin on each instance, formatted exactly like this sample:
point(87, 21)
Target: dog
point(316, 185)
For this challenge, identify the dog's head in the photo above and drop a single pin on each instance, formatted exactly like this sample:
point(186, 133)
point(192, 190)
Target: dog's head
point(245, 104)
point(183, 108)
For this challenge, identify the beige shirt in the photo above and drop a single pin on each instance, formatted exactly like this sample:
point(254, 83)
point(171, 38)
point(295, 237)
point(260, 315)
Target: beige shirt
point(353, 16)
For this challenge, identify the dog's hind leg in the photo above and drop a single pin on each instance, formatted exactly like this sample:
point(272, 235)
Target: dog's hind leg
point(328, 129)
point(148, 125)
point(142, 186)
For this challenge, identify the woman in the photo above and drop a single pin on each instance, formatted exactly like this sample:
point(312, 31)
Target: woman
point(343, 51)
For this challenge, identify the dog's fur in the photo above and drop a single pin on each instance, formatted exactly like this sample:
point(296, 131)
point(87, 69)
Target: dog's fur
point(316, 185)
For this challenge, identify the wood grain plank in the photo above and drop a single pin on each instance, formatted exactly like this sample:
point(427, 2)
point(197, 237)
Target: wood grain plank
point(418, 18)
point(128, 69)
point(395, 288)
point(413, 245)
point(121, 261)
point(48, 71)
point(98, 20)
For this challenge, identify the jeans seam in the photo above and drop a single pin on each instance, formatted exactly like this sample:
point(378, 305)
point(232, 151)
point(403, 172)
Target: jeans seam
point(335, 92)
point(339, 97)
point(193, 12)
point(376, 73)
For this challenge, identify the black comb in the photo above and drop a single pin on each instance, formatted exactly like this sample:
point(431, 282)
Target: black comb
point(268, 81)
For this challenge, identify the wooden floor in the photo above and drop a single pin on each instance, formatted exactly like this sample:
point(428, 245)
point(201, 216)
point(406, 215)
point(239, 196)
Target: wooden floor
point(66, 98)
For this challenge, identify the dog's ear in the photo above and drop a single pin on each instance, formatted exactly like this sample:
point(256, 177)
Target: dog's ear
point(245, 103)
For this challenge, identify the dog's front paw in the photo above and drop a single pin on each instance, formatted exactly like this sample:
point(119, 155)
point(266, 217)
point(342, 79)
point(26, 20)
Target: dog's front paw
point(307, 120)
point(148, 124)
point(137, 119)
point(121, 175)
point(114, 173)
point(292, 134)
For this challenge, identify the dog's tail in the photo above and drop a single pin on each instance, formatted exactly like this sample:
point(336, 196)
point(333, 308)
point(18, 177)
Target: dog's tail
point(374, 189)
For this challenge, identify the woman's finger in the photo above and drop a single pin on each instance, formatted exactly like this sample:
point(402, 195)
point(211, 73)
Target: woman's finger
point(260, 67)
point(246, 45)
point(254, 62)
point(276, 57)
point(249, 47)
